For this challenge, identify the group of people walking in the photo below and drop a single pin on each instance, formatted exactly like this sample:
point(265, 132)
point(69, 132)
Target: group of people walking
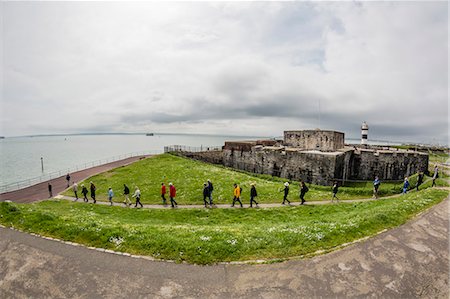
point(208, 189)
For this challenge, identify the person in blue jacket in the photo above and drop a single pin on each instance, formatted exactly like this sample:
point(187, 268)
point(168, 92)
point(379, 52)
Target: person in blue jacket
point(110, 195)
point(405, 185)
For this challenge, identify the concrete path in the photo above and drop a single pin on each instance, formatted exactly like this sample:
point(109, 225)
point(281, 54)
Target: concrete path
point(411, 261)
point(40, 191)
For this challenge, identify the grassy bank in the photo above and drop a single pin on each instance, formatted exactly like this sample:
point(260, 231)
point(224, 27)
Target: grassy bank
point(189, 176)
point(206, 236)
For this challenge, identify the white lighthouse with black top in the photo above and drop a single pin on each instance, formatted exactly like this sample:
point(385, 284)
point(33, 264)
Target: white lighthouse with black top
point(364, 132)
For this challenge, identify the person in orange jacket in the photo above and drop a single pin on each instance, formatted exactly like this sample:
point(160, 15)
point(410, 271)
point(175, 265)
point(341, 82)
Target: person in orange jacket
point(237, 195)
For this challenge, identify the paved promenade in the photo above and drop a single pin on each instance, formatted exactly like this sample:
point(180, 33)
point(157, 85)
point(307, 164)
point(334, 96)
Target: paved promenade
point(40, 191)
point(411, 261)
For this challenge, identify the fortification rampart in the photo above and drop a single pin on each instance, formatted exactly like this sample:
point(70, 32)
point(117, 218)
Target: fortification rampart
point(314, 156)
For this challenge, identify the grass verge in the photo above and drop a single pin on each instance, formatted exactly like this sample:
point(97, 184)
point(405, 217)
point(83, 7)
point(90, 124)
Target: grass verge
point(205, 236)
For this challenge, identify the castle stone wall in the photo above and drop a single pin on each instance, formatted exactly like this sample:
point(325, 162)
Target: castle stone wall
point(311, 167)
point(325, 141)
point(387, 165)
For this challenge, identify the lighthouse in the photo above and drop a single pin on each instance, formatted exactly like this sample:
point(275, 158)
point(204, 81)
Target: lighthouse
point(364, 132)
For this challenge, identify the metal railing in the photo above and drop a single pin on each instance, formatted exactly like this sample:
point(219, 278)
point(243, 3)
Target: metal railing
point(55, 174)
point(193, 149)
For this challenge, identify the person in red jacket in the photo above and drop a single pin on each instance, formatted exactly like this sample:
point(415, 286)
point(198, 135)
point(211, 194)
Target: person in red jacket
point(172, 194)
point(163, 194)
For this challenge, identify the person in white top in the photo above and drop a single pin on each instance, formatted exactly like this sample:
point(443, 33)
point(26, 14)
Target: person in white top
point(137, 195)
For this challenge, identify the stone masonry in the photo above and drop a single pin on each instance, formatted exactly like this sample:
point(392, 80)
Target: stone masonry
point(317, 157)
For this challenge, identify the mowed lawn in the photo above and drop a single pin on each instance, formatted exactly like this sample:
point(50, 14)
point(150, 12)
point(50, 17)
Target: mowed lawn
point(189, 175)
point(205, 236)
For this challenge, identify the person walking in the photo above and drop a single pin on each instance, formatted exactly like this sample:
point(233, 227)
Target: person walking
point(419, 180)
point(253, 194)
point(126, 194)
point(205, 193)
point(303, 190)
point(405, 185)
point(335, 191)
point(84, 191)
point(50, 193)
point(211, 189)
point(376, 185)
point(172, 195)
point(93, 188)
point(286, 193)
point(75, 190)
point(237, 195)
point(137, 195)
point(68, 180)
point(435, 175)
point(163, 194)
point(110, 195)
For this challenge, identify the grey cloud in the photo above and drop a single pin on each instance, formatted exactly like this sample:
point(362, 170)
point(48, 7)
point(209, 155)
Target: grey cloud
point(221, 67)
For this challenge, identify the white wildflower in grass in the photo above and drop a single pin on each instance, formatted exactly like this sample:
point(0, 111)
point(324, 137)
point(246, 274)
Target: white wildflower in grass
point(205, 238)
point(319, 236)
point(232, 242)
point(116, 240)
point(272, 229)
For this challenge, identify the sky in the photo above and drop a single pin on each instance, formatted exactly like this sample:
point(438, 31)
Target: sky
point(230, 68)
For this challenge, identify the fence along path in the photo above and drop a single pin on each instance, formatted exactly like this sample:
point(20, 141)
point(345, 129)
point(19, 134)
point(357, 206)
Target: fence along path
point(55, 174)
point(40, 191)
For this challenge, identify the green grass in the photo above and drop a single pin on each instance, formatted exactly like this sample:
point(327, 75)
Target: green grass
point(189, 175)
point(205, 236)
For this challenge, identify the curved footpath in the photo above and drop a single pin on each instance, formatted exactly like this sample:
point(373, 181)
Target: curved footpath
point(221, 206)
point(411, 261)
point(40, 191)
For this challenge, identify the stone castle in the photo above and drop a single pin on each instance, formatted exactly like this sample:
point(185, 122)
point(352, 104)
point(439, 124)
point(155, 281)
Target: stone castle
point(314, 156)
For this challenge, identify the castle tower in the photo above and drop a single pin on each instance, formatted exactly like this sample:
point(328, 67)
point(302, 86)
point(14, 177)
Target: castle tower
point(364, 132)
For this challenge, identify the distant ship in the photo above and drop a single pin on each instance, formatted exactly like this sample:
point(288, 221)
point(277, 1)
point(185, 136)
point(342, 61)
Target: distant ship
point(2, 137)
point(149, 134)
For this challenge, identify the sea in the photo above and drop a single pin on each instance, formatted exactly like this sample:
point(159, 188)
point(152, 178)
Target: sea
point(20, 157)
point(32, 159)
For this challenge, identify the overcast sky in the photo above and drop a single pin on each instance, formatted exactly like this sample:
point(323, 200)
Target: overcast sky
point(226, 68)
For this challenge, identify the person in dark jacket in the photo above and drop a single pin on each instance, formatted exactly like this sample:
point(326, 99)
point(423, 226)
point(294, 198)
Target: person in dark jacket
point(419, 180)
point(376, 186)
point(50, 188)
point(335, 191)
point(303, 190)
point(126, 194)
point(93, 188)
point(68, 180)
point(205, 193)
point(137, 195)
point(253, 194)
point(84, 191)
point(211, 189)
point(286, 193)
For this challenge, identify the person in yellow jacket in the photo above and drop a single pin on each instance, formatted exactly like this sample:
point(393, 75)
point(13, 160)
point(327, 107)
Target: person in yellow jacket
point(237, 195)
